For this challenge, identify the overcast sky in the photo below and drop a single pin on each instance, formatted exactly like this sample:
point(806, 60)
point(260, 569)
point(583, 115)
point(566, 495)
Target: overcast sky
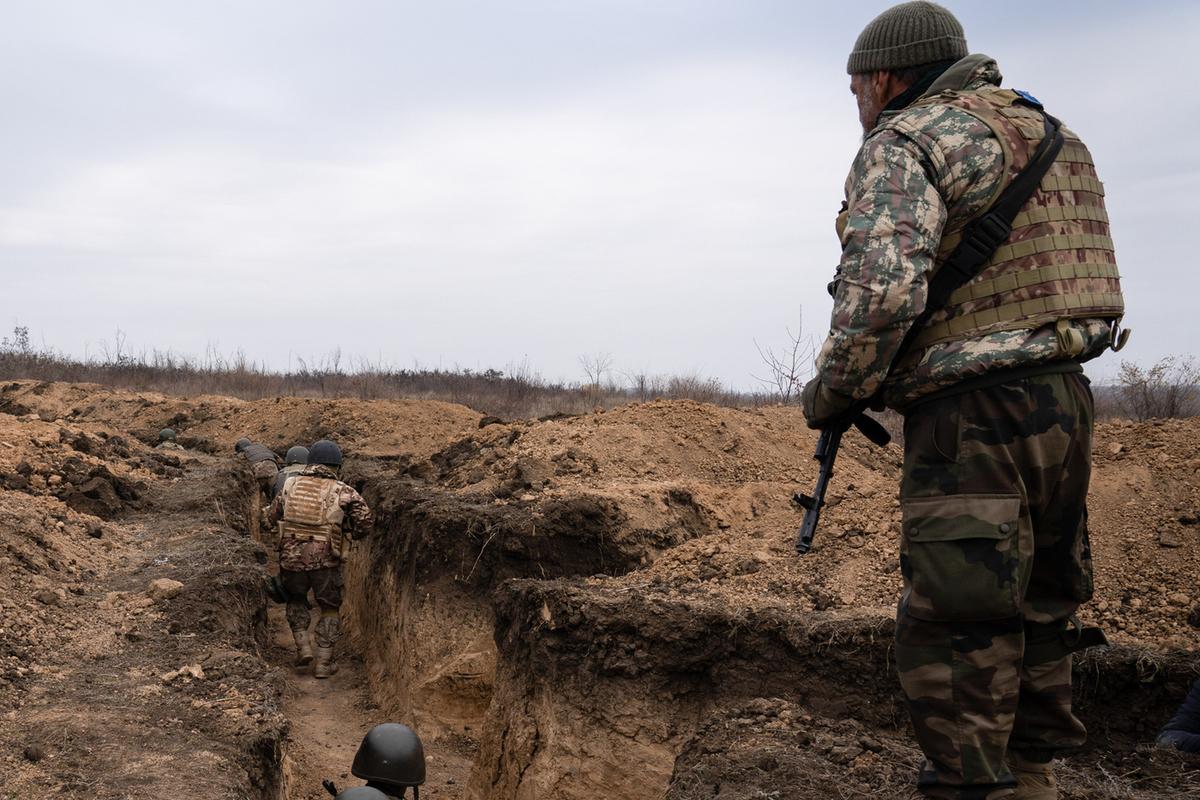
point(478, 183)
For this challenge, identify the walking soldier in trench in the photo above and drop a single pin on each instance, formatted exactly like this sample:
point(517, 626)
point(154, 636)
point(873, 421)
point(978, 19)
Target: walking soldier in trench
point(997, 413)
point(314, 512)
point(293, 464)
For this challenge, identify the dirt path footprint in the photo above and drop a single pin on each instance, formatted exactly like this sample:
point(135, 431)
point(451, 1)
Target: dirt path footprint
point(328, 718)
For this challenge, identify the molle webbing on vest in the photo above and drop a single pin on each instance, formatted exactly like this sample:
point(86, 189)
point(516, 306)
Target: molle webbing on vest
point(1019, 280)
point(309, 508)
point(1058, 262)
point(1014, 316)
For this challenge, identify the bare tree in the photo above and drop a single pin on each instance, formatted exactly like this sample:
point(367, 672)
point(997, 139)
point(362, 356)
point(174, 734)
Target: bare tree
point(788, 368)
point(19, 343)
point(1170, 388)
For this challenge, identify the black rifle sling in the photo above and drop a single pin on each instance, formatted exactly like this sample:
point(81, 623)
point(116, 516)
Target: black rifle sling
point(984, 235)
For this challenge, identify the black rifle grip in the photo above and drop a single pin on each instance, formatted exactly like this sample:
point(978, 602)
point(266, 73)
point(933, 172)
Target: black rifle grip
point(873, 430)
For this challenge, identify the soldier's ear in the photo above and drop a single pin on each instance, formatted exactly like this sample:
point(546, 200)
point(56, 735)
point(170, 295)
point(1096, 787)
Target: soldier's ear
point(881, 87)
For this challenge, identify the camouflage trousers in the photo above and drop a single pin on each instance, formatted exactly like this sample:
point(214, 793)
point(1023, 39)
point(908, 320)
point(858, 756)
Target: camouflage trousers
point(995, 557)
point(326, 585)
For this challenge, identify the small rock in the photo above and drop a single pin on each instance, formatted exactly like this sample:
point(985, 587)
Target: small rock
point(1115, 449)
point(163, 589)
point(34, 753)
point(95, 530)
point(48, 597)
point(186, 671)
point(1169, 538)
point(1179, 599)
point(1194, 617)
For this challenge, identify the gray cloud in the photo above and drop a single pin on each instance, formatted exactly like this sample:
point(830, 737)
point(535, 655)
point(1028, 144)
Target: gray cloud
point(477, 183)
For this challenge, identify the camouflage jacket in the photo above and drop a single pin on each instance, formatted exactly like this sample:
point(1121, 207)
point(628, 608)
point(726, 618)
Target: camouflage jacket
point(306, 555)
point(921, 171)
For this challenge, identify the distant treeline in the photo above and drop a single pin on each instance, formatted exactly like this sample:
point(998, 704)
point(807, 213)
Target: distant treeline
point(516, 392)
point(1169, 388)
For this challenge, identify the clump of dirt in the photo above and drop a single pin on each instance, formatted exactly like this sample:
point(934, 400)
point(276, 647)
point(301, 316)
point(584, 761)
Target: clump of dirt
point(771, 748)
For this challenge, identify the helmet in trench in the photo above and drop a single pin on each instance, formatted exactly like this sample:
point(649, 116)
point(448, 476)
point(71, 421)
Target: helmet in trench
point(325, 452)
point(390, 755)
point(361, 793)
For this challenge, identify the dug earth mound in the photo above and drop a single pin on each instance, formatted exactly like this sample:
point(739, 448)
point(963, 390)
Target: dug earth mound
point(600, 605)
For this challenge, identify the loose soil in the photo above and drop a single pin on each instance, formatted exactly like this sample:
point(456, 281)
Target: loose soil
point(599, 605)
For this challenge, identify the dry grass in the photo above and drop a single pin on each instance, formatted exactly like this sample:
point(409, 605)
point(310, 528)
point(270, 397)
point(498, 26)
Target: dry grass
point(516, 393)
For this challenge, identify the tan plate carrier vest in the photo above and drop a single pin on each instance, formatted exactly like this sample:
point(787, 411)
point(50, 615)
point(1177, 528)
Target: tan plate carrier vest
point(1059, 263)
point(311, 511)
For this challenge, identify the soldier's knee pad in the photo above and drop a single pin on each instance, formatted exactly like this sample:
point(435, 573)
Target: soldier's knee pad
point(329, 629)
point(298, 615)
point(960, 557)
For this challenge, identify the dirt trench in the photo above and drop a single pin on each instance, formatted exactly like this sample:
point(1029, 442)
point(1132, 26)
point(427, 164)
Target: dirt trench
point(606, 605)
point(585, 642)
point(130, 689)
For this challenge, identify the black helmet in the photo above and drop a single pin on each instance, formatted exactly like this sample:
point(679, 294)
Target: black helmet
point(390, 755)
point(297, 454)
point(325, 452)
point(241, 445)
point(361, 793)
point(166, 435)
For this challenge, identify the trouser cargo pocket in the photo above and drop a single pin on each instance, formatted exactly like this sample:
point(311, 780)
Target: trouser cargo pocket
point(960, 557)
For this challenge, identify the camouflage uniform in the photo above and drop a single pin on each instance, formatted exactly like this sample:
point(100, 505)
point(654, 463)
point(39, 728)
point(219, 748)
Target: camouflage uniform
point(264, 463)
point(306, 563)
point(994, 554)
point(168, 445)
point(998, 424)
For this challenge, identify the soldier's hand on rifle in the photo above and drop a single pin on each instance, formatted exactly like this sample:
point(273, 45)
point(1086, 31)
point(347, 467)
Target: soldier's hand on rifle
point(822, 405)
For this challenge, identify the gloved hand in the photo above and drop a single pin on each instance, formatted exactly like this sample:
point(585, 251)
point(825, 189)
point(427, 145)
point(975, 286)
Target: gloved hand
point(821, 405)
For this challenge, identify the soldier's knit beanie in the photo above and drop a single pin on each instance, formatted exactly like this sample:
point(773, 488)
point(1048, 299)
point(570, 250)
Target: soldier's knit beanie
point(908, 35)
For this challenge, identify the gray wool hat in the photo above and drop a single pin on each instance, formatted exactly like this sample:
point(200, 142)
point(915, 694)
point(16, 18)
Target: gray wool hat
point(908, 35)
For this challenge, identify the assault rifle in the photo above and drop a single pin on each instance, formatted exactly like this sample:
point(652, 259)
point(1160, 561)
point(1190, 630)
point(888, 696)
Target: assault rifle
point(826, 455)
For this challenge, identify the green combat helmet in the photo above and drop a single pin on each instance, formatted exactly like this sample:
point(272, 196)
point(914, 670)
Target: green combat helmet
point(325, 452)
point(166, 435)
point(241, 444)
point(297, 454)
point(392, 759)
point(361, 793)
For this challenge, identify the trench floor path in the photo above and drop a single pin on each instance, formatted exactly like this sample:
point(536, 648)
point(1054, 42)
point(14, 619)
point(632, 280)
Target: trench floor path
point(328, 718)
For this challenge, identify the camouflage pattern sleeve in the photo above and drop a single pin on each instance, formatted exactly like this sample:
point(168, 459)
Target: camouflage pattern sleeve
point(357, 512)
point(894, 224)
point(275, 510)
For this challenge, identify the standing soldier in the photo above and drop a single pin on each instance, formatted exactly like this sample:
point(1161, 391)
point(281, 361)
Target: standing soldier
point(293, 464)
point(997, 413)
point(312, 512)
